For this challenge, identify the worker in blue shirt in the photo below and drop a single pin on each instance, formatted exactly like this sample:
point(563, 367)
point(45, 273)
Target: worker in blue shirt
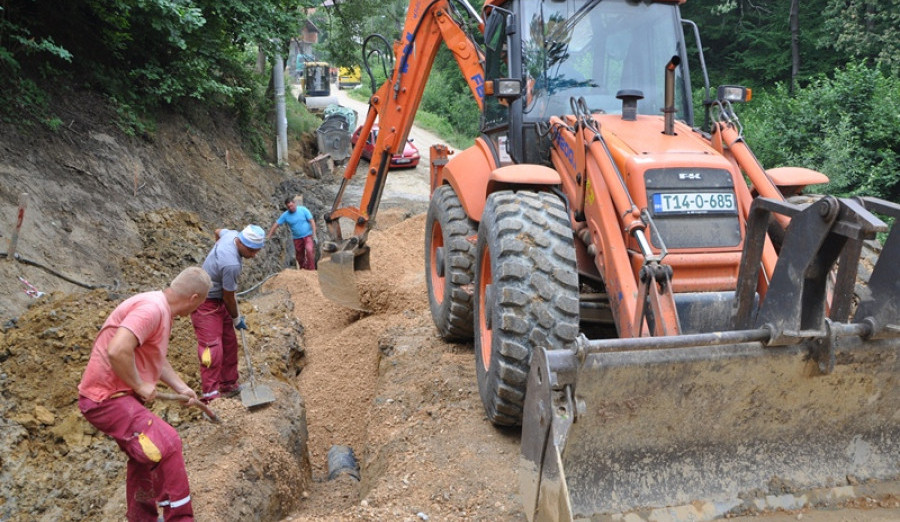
point(303, 231)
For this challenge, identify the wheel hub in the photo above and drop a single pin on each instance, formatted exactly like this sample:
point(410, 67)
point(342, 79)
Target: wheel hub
point(439, 261)
point(488, 305)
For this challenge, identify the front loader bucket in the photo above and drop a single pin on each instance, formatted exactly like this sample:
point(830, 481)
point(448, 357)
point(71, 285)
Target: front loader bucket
point(696, 432)
point(337, 279)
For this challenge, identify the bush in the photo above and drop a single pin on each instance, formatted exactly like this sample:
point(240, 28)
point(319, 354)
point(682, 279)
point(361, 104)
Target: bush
point(448, 96)
point(845, 127)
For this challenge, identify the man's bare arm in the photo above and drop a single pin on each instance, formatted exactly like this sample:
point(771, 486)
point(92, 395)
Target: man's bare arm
point(272, 229)
point(172, 380)
point(230, 300)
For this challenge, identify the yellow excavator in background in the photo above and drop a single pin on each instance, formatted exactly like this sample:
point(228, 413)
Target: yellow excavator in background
point(681, 333)
point(349, 77)
point(315, 87)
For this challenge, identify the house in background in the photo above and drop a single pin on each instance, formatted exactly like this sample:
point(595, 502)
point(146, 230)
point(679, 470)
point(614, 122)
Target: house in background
point(301, 49)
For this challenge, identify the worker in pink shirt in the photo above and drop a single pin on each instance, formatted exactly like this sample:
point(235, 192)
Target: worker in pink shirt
point(127, 361)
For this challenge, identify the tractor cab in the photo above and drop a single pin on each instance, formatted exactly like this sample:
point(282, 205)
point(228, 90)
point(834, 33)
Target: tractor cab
point(603, 52)
point(316, 86)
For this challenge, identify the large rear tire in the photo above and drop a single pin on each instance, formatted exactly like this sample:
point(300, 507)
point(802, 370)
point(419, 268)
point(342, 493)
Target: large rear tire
point(871, 250)
point(449, 265)
point(526, 294)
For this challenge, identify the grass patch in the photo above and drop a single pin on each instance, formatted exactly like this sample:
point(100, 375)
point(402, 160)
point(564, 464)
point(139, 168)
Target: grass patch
point(299, 120)
point(439, 126)
point(361, 93)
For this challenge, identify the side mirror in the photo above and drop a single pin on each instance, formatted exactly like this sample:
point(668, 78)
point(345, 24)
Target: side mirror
point(495, 28)
point(733, 93)
point(493, 31)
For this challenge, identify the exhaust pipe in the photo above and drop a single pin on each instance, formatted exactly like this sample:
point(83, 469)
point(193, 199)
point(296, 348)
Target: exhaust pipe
point(669, 109)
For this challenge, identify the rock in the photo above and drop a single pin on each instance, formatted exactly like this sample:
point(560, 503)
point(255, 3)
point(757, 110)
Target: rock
point(322, 166)
point(71, 431)
point(52, 333)
point(26, 420)
point(44, 416)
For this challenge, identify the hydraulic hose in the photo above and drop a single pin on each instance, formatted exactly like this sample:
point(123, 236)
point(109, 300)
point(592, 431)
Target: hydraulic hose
point(64, 277)
point(53, 272)
point(257, 285)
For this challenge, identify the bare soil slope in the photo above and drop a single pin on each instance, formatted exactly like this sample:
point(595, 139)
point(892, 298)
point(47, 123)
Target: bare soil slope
point(109, 215)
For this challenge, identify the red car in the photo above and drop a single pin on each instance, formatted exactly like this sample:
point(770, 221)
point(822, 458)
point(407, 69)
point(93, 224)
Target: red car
point(409, 158)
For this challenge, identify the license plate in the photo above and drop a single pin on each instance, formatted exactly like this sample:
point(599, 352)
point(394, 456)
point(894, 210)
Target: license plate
point(402, 160)
point(694, 202)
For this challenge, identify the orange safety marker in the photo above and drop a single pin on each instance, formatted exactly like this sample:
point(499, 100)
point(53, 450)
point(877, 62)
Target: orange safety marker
point(20, 216)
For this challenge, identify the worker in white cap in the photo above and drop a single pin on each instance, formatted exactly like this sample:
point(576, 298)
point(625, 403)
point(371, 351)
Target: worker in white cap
point(217, 318)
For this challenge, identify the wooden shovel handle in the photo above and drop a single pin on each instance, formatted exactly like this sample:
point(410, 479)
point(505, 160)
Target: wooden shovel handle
point(184, 398)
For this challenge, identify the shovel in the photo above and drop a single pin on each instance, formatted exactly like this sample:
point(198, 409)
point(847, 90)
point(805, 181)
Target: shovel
point(210, 414)
point(254, 396)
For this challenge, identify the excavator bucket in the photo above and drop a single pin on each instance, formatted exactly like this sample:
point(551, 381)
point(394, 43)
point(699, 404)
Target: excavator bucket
point(799, 410)
point(702, 431)
point(337, 279)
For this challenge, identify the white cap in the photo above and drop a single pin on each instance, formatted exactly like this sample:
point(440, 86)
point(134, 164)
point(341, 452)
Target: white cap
point(253, 237)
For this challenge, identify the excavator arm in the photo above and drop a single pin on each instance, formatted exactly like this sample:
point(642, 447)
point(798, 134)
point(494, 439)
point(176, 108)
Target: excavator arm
point(428, 24)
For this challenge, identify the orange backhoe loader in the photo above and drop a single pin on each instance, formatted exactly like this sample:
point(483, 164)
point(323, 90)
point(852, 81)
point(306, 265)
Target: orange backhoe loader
point(680, 332)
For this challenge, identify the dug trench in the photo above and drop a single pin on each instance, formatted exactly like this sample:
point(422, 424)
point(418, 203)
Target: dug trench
point(124, 215)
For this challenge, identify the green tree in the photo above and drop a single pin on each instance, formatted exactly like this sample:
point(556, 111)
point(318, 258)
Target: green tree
point(864, 30)
point(344, 26)
point(754, 43)
point(143, 54)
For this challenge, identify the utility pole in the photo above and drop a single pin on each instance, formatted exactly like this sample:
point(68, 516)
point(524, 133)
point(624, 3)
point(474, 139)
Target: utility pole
point(280, 111)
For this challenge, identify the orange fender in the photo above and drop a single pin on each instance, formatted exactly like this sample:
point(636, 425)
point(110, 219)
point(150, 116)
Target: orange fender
point(474, 176)
point(521, 175)
point(468, 172)
point(792, 180)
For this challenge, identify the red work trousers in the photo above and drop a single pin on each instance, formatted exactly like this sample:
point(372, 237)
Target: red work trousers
point(217, 348)
point(156, 475)
point(305, 253)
